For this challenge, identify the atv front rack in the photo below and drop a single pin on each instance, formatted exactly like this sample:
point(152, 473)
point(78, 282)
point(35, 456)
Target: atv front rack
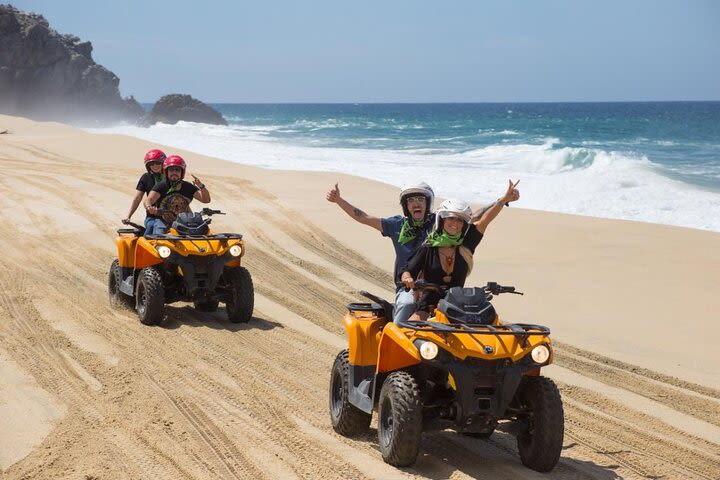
point(517, 329)
point(218, 236)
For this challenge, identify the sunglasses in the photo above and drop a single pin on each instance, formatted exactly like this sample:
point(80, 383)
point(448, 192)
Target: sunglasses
point(417, 199)
point(155, 164)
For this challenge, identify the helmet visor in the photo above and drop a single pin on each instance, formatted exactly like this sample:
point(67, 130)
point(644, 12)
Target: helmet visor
point(450, 214)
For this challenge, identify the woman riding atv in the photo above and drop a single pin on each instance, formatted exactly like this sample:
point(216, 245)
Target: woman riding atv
point(446, 257)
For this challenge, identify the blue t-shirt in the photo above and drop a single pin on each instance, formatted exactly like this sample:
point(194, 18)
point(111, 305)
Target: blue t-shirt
point(391, 228)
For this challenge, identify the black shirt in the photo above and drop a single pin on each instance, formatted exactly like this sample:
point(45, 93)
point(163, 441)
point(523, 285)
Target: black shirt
point(428, 261)
point(174, 200)
point(148, 181)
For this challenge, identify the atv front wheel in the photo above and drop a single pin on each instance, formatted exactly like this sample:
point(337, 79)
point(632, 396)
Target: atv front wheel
point(242, 296)
point(150, 297)
point(346, 418)
point(117, 298)
point(400, 419)
point(206, 306)
point(540, 446)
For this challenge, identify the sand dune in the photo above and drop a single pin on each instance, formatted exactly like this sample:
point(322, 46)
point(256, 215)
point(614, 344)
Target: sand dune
point(86, 391)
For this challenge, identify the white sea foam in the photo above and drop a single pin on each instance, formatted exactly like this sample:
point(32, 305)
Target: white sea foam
point(585, 181)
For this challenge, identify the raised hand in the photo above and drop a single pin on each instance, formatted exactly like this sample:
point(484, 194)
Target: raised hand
point(196, 181)
point(334, 194)
point(512, 193)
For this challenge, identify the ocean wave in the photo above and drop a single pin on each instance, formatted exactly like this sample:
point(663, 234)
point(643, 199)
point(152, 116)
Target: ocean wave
point(578, 180)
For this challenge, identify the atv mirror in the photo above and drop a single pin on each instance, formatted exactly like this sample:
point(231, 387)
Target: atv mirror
point(210, 211)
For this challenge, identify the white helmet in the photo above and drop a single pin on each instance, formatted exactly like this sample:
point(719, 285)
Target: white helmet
point(413, 189)
point(453, 208)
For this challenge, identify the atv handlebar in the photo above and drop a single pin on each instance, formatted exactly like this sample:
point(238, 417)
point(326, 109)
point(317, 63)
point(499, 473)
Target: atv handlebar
point(497, 289)
point(134, 225)
point(491, 287)
point(210, 212)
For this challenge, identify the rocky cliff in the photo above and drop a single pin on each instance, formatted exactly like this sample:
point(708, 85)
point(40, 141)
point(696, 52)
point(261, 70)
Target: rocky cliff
point(46, 75)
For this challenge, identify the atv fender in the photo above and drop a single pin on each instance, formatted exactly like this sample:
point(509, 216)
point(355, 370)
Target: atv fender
point(396, 351)
point(146, 255)
point(126, 250)
point(363, 336)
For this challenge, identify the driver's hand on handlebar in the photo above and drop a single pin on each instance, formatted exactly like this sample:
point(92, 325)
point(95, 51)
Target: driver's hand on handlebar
point(408, 281)
point(125, 220)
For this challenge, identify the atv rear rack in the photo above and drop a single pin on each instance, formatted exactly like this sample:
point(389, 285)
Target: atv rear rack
point(518, 329)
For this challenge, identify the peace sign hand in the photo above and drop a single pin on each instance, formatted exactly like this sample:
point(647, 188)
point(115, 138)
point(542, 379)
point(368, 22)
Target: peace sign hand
point(512, 193)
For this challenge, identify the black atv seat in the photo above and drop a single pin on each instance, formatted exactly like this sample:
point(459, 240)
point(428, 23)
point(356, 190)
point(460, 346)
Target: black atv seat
point(191, 224)
point(467, 305)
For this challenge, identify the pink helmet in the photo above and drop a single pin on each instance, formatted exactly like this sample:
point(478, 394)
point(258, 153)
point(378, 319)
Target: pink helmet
point(153, 155)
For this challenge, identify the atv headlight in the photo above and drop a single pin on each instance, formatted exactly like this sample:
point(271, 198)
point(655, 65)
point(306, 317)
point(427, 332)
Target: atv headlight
point(428, 350)
point(164, 251)
point(540, 354)
point(236, 250)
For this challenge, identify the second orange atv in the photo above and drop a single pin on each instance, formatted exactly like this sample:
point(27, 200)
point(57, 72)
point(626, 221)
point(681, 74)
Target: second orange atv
point(462, 368)
point(190, 263)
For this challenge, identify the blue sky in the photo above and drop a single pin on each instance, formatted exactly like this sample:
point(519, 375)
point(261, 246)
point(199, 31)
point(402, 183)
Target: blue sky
point(401, 51)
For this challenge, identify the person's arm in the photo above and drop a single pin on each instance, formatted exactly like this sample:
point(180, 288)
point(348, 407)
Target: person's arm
point(355, 213)
point(511, 195)
point(479, 213)
point(134, 205)
point(152, 197)
point(202, 194)
point(413, 267)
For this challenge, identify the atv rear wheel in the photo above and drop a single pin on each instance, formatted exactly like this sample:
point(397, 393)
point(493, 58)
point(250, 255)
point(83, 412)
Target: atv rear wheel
point(117, 298)
point(242, 296)
point(206, 306)
point(540, 446)
point(400, 419)
point(150, 296)
point(346, 418)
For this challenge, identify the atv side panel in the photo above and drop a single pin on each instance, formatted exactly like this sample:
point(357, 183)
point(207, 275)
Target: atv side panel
point(363, 326)
point(396, 350)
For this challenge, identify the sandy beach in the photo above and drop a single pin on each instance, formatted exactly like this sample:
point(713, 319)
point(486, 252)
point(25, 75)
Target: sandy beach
point(86, 391)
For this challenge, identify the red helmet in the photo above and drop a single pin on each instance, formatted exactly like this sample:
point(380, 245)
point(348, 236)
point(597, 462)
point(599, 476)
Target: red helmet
point(154, 155)
point(174, 161)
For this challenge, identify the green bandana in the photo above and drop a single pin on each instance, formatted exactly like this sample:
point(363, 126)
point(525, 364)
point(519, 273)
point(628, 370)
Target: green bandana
point(409, 232)
point(158, 178)
point(444, 240)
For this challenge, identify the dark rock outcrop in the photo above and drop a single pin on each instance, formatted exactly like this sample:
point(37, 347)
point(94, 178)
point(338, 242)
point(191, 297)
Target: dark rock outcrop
point(174, 108)
point(46, 75)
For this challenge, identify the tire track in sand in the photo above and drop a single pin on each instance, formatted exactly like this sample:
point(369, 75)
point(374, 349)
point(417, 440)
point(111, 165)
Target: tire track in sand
point(643, 382)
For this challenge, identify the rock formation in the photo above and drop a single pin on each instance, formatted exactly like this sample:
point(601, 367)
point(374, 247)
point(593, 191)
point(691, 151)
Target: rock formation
point(46, 75)
point(174, 108)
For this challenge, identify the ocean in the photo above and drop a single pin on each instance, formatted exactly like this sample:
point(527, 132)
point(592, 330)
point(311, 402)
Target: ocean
point(656, 162)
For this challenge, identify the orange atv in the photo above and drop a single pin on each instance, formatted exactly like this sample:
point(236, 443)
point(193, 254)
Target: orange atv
point(189, 263)
point(461, 368)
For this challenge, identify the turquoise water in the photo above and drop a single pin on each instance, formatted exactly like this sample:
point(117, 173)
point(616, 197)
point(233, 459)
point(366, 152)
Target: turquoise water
point(652, 162)
point(682, 137)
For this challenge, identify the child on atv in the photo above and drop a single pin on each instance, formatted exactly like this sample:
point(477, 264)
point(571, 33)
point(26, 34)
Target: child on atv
point(153, 164)
point(173, 195)
point(446, 257)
